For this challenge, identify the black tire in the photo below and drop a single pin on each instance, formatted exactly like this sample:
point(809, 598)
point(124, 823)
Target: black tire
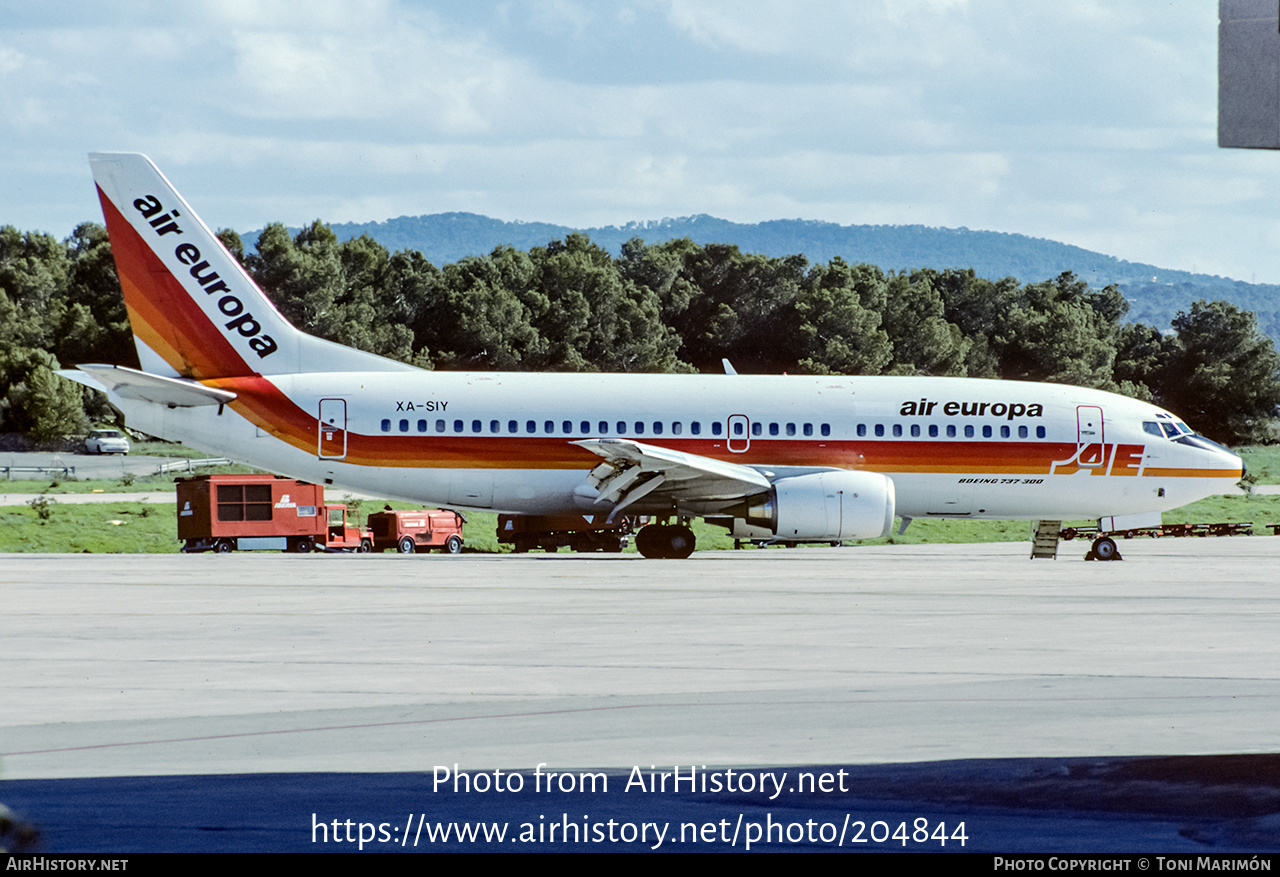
point(665, 541)
point(365, 546)
point(1106, 549)
point(680, 543)
point(302, 546)
point(647, 541)
point(453, 545)
point(407, 545)
point(224, 546)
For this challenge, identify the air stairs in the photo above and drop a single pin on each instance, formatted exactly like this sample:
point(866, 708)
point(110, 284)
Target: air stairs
point(1044, 540)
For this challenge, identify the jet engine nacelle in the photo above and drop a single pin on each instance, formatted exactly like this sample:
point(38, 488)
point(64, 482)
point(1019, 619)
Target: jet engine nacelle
point(822, 507)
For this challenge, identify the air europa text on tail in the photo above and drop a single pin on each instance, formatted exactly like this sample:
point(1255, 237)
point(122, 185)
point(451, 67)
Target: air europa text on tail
point(229, 304)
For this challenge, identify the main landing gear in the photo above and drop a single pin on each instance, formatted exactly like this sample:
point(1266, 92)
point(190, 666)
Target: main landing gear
point(670, 541)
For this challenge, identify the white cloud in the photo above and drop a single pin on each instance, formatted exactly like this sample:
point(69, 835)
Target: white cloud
point(1092, 123)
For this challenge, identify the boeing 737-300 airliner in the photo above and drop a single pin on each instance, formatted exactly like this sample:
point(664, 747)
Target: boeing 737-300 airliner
point(790, 458)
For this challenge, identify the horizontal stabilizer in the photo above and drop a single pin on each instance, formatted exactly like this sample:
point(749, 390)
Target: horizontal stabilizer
point(129, 383)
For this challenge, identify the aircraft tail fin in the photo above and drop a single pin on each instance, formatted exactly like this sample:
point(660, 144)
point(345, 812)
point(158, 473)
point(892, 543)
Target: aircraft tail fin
point(194, 311)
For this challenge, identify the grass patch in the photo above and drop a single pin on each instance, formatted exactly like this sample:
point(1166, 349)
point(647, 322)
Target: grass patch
point(1263, 462)
point(98, 528)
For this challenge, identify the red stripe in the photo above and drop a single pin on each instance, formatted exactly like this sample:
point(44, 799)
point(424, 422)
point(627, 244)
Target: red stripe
point(162, 313)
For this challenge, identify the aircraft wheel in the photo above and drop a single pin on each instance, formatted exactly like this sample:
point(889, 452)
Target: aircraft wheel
point(665, 541)
point(680, 542)
point(1105, 549)
point(407, 545)
point(453, 545)
point(223, 546)
point(647, 541)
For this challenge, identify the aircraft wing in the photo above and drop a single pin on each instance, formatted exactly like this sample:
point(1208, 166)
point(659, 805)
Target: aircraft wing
point(129, 383)
point(634, 470)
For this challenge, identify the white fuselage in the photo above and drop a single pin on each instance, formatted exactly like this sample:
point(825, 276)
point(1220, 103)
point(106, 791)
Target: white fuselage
point(503, 441)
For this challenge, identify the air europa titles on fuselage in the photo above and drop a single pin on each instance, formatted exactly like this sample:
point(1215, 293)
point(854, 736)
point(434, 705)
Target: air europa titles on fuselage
point(1008, 410)
point(188, 254)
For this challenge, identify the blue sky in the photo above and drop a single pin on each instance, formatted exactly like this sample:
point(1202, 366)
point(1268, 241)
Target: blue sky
point(1089, 123)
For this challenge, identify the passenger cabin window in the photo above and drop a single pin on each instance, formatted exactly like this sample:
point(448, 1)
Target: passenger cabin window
point(422, 426)
point(386, 425)
point(716, 428)
point(826, 429)
point(404, 425)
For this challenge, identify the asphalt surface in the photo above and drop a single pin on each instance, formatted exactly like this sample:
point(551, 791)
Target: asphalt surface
point(982, 686)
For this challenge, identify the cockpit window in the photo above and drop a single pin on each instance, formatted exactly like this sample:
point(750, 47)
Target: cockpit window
point(1167, 426)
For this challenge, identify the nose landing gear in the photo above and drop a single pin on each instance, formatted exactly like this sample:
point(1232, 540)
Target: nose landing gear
point(1104, 548)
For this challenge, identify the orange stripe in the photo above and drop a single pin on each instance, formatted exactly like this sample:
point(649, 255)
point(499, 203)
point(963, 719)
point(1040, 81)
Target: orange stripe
point(1233, 474)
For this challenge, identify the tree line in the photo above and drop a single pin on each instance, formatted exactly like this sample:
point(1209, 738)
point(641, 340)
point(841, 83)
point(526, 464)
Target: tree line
point(674, 306)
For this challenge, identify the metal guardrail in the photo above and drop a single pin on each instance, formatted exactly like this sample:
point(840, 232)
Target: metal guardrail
point(189, 465)
point(66, 471)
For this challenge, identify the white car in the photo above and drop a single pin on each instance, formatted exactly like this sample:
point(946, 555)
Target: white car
point(106, 441)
